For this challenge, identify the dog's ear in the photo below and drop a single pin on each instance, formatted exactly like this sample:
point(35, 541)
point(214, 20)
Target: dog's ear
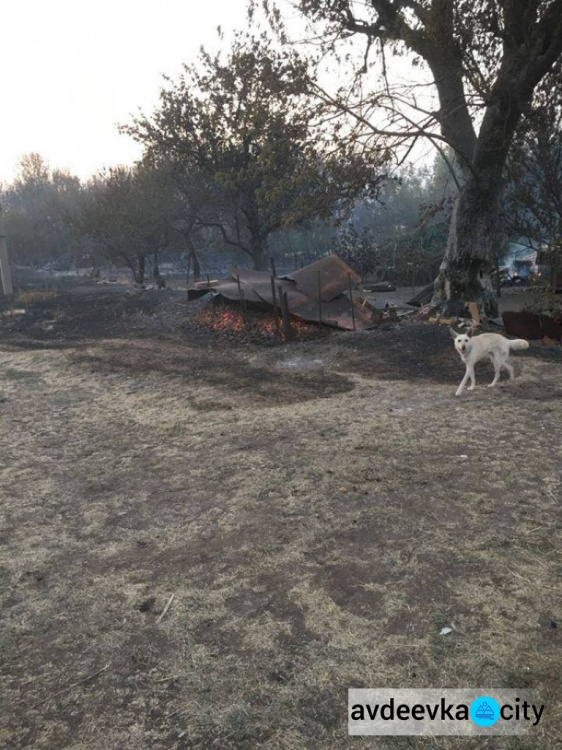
point(454, 334)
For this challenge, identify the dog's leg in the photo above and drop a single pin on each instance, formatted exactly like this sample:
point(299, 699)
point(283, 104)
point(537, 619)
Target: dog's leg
point(510, 370)
point(472, 385)
point(468, 374)
point(497, 371)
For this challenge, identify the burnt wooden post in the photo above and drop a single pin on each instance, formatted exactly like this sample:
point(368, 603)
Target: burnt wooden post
point(208, 281)
point(281, 301)
point(319, 300)
point(273, 271)
point(188, 270)
point(554, 270)
point(287, 318)
point(244, 311)
point(287, 330)
point(275, 311)
point(242, 300)
point(351, 300)
point(5, 270)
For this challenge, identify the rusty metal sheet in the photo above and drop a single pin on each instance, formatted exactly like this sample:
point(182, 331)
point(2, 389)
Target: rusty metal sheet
point(248, 276)
point(528, 325)
point(334, 278)
point(336, 313)
point(301, 289)
point(229, 290)
point(258, 290)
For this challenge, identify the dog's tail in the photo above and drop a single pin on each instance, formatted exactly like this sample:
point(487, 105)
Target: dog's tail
point(518, 344)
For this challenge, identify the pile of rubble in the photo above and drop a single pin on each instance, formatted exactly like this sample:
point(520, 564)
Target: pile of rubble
point(325, 292)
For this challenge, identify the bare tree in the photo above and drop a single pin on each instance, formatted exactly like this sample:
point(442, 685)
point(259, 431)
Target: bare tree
point(484, 59)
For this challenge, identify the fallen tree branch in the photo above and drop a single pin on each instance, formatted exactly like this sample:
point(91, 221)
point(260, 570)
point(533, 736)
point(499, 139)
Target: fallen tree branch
point(166, 608)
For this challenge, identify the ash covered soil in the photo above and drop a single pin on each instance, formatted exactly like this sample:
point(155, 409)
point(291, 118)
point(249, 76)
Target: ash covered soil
point(318, 510)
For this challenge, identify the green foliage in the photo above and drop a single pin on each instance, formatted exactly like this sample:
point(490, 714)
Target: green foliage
point(37, 206)
point(358, 250)
point(402, 236)
point(243, 126)
point(414, 256)
point(129, 213)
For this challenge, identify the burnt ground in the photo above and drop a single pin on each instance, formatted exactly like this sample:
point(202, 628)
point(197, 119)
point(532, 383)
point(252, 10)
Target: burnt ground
point(319, 510)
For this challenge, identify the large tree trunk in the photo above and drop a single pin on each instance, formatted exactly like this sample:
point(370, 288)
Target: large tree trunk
point(258, 249)
point(472, 248)
point(194, 264)
point(257, 234)
point(531, 39)
point(140, 269)
point(474, 236)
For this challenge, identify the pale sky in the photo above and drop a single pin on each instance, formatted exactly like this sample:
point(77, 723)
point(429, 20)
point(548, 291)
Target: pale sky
point(72, 70)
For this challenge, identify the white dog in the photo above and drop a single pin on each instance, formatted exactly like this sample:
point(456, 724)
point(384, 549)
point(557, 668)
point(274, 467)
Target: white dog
point(492, 345)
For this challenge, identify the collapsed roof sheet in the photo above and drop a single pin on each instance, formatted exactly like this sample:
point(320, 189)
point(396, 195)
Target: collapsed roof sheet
point(317, 293)
point(331, 275)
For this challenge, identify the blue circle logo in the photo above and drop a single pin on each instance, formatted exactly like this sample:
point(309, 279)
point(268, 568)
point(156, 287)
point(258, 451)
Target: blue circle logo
point(484, 711)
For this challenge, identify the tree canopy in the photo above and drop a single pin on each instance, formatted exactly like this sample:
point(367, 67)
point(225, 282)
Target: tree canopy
point(241, 128)
point(129, 213)
point(484, 60)
point(37, 206)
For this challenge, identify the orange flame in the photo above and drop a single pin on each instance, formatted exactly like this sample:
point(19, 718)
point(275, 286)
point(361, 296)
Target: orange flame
point(263, 324)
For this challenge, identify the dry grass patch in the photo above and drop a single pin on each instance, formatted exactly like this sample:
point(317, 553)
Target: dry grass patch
point(319, 513)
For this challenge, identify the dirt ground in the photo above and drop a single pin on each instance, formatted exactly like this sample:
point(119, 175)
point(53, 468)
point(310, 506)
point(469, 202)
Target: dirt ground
point(318, 511)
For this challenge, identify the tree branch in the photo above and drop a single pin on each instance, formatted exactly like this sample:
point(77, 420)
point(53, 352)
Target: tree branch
point(227, 240)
